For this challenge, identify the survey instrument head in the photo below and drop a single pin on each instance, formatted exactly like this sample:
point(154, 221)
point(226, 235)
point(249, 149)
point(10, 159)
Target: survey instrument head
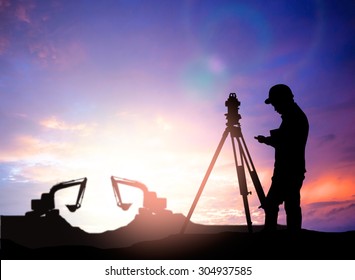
point(232, 104)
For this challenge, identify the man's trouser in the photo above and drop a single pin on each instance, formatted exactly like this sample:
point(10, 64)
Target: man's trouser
point(287, 190)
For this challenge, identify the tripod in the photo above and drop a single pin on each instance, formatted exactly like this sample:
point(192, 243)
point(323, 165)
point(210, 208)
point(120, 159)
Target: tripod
point(234, 130)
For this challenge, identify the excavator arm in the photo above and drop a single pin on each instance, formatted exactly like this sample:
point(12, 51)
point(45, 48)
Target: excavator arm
point(46, 203)
point(151, 203)
point(116, 191)
point(77, 205)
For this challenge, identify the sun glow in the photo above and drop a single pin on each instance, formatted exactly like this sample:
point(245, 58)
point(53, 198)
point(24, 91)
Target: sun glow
point(149, 154)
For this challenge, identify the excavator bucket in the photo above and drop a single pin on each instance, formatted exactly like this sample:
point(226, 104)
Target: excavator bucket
point(72, 208)
point(124, 206)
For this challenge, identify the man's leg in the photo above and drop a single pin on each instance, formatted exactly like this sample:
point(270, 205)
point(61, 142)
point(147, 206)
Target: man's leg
point(271, 215)
point(271, 207)
point(294, 216)
point(293, 205)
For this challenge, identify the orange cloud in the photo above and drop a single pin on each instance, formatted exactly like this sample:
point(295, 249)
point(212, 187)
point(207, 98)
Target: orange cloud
point(328, 187)
point(26, 146)
point(56, 124)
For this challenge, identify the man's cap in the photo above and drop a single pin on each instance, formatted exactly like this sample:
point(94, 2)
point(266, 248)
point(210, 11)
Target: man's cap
point(279, 92)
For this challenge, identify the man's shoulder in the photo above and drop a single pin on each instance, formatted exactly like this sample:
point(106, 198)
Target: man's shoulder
point(295, 115)
point(297, 110)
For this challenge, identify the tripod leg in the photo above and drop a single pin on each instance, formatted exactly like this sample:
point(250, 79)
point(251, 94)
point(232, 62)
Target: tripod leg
point(254, 176)
point(242, 182)
point(204, 181)
point(247, 213)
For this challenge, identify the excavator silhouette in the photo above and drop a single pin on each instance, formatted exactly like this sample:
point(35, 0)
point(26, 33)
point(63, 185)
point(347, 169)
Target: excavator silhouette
point(46, 206)
point(152, 205)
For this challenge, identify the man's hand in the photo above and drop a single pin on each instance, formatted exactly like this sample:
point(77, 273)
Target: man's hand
point(260, 138)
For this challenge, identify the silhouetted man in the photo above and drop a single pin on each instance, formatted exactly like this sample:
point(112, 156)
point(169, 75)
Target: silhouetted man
point(289, 141)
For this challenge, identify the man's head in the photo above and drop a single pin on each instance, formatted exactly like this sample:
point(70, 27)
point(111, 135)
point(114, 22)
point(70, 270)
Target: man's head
point(279, 93)
point(280, 96)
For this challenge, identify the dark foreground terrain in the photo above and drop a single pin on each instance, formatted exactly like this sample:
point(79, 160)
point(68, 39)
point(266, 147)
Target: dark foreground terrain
point(157, 238)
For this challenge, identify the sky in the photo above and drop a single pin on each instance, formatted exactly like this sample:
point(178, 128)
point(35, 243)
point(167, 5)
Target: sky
point(137, 89)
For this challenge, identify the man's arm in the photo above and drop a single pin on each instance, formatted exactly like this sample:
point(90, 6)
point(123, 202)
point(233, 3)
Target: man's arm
point(272, 140)
point(265, 140)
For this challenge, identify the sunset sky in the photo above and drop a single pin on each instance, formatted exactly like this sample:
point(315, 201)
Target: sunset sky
point(137, 89)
